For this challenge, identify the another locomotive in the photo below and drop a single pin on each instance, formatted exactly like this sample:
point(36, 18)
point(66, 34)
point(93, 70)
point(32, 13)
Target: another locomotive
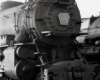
point(37, 41)
point(91, 42)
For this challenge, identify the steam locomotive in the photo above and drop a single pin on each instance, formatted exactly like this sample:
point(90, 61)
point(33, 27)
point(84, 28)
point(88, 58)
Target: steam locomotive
point(38, 42)
point(90, 42)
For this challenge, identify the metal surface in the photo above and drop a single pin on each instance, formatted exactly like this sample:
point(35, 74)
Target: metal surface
point(9, 4)
point(24, 52)
point(7, 22)
point(10, 69)
point(94, 29)
point(69, 70)
point(64, 18)
point(84, 29)
point(26, 70)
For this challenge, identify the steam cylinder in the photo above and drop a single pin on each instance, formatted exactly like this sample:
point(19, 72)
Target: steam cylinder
point(18, 68)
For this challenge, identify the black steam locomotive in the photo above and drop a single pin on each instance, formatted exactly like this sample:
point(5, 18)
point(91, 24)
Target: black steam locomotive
point(38, 42)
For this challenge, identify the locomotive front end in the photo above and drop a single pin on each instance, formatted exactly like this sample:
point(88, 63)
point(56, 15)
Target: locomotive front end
point(37, 42)
point(53, 22)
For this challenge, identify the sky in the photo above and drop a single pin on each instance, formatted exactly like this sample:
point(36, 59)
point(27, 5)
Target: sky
point(87, 7)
